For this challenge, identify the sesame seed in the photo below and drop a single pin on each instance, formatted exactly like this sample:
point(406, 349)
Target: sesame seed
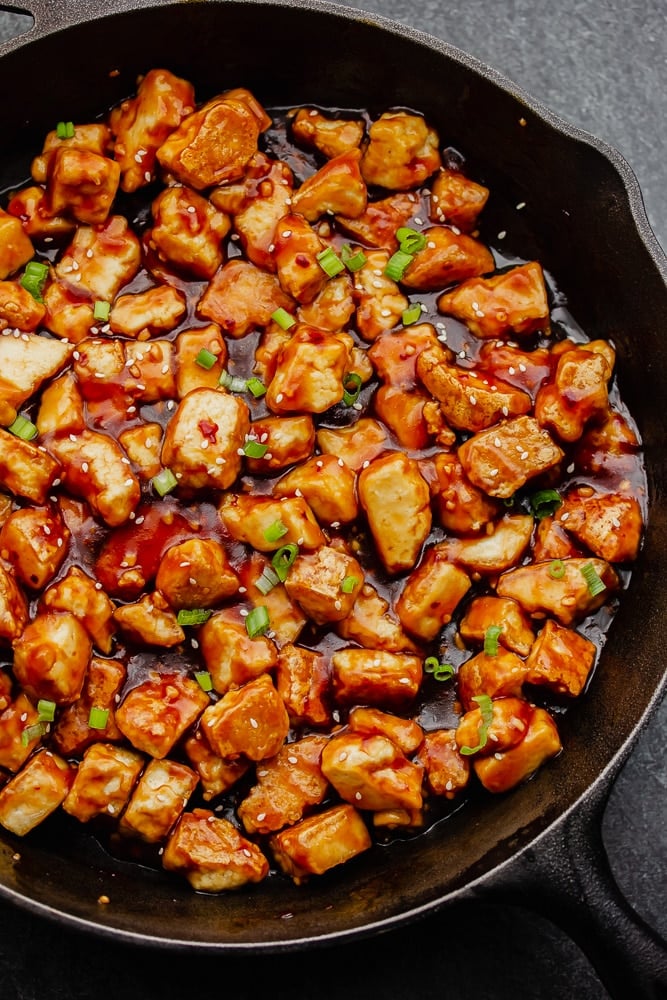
point(502, 234)
point(521, 205)
point(254, 723)
point(261, 817)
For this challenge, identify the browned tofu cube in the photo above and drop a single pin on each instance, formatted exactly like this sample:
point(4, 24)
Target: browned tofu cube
point(561, 660)
point(508, 725)
point(211, 853)
point(267, 190)
point(241, 297)
point(394, 355)
point(26, 470)
point(143, 445)
point(376, 677)
point(328, 487)
point(95, 468)
point(456, 199)
point(511, 303)
point(189, 373)
point(154, 715)
point(82, 184)
point(287, 785)
point(34, 540)
point(13, 608)
point(250, 721)
point(448, 257)
point(370, 772)
point(463, 509)
point(286, 618)
point(51, 657)
point(357, 445)
point(320, 842)
point(79, 593)
point(35, 792)
point(26, 362)
point(232, 658)
point(396, 500)
point(188, 231)
point(402, 151)
point(502, 771)
point(95, 137)
point(157, 800)
point(289, 440)
point(73, 732)
point(196, 573)
point(374, 625)
point(608, 524)
point(331, 136)
point(16, 248)
point(30, 205)
point(333, 306)
point(302, 681)
point(380, 302)
point(493, 552)
point(310, 371)
point(261, 522)
point(446, 770)
point(296, 250)
point(406, 734)
point(145, 314)
point(150, 622)
point(376, 226)
point(485, 611)
point(565, 596)
point(578, 394)
point(406, 413)
point(150, 370)
point(502, 459)
point(325, 583)
point(101, 259)
point(103, 782)
point(19, 311)
point(216, 775)
point(337, 188)
point(430, 595)
point(16, 719)
point(499, 676)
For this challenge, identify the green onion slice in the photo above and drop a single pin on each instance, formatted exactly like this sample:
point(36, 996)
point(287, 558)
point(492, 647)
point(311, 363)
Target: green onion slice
point(486, 707)
point(411, 314)
point(409, 240)
point(397, 265)
point(23, 428)
point(205, 359)
point(256, 387)
point(98, 717)
point(275, 531)
point(593, 581)
point(440, 671)
point(193, 616)
point(329, 262)
point(545, 502)
point(101, 310)
point(254, 449)
point(491, 640)
point(46, 710)
point(65, 130)
point(351, 388)
point(348, 584)
point(283, 559)
point(34, 278)
point(267, 581)
point(556, 569)
point(284, 319)
point(31, 733)
point(164, 482)
point(353, 261)
point(257, 621)
point(232, 382)
point(204, 680)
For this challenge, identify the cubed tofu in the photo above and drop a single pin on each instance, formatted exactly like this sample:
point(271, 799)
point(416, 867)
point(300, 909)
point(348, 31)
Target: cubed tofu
point(26, 362)
point(462, 508)
point(287, 785)
point(337, 188)
point(196, 573)
point(502, 771)
point(504, 458)
point(303, 683)
point(232, 658)
point(289, 440)
point(211, 853)
point(488, 610)
point(296, 250)
point(189, 373)
point(261, 522)
point(402, 152)
point(456, 199)
point(553, 542)
point(103, 782)
point(143, 314)
point(501, 728)
point(188, 231)
point(357, 444)
point(30, 205)
point(373, 624)
point(79, 593)
point(406, 734)
point(157, 801)
point(100, 259)
point(396, 500)
point(578, 394)
point(16, 248)
point(376, 226)
point(610, 525)
point(327, 485)
point(94, 137)
point(149, 371)
point(61, 408)
point(241, 297)
point(82, 184)
point(394, 355)
point(35, 541)
point(512, 303)
point(370, 772)
point(403, 412)
point(250, 721)
point(216, 775)
point(320, 842)
point(142, 445)
point(566, 595)
point(51, 657)
point(500, 675)
point(379, 300)
point(330, 136)
point(561, 659)
point(376, 677)
point(95, 468)
point(446, 770)
point(203, 439)
point(448, 257)
point(493, 552)
point(431, 594)
point(35, 792)
point(26, 469)
point(523, 368)
point(20, 311)
point(268, 191)
point(73, 732)
point(150, 621)
point(286, 619)
point(310, 371)
point(332, 308)
point(17, 737)
point(156, 713)
point(325, 583)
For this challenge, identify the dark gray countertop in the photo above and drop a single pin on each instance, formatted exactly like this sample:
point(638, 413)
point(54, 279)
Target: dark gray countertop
point(602, 65)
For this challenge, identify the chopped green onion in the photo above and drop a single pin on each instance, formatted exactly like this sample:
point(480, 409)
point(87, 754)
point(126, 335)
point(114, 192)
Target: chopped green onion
point(411, 314)
point(101, 310)
point(556, 569)
point(593, 581)
point(545, 502)
point(65, 130)
point(98, 717)
point(193, 616)
point(257, 621)
point(353, 261)
point(398, 264)
point(204, 680)
point(164, 482)
point(409, 240)
point(283, 559)
point(329, 262)
point(34, 278)
point(205, 359)
point(254, 449)
point(440, 671)
point(23, 428)
point(31, 733)
point(46, 710)
point(275, 531)
point(508, 501)
point(283, 318)
point(256, 387)
point(351, 388)
point(267, 581)
point(486, 707)
point(348, 584)
point(491, 640)
point(232, 382)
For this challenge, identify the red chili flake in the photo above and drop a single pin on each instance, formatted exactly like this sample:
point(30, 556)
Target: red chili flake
point(208, 430)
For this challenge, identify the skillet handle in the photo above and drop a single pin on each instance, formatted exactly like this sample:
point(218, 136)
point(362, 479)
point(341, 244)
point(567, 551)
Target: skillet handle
point(49, 16)
point(568, 880)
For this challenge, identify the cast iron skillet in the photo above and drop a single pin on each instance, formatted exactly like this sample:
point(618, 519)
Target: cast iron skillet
point(584, 220)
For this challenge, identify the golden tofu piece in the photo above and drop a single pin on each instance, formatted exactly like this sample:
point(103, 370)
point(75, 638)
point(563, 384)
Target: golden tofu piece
point(509, 720)
point(504, 458)
point(448, 257)
point(79, 593)
point(357, 444)
point(16, 248)
point(154, 715)
point(373, 624)
point(287, 785)
point(370, 772)
point(261, 522)
point(379, 300)
point(327, 485)
point(331, 136)
point(103, 782)
point(456, 199)
point(303, 683)
point(488, 610)
point(268, 189)
point(406, 734)
point(609, 524)
point(51, 657)
point(561, 660)
point(26, 362)
point(376, 226)
point(337, 187)
point(562, 592)
point(232, 658)
point(402, 151)
point(196, 573)
point(310, 372)
point(295, 253)
point(320, 842)
point(286, 618)
point(157, 801)
point(82, 184)
point(35, 792)
point(241, 297)
point(25, 469)
point(493, 552)
point(396, 500)
point(35, 541)
point(499, 773)
point(463, 508)
point(211, 853)
point(290, 441)
point(513, 302)
point(376, 677)
point(431, 594)
point(143, 445)
point(143, 314)
point(578, 394)
point(95, 468)
point(150, 622)
point(19, 311)
point(498, 675)
point(325, 583)
point(100, 260)
point(94, 137)
point(333, 306)
point(188, 231)
point(16, 719)
point(72, 732)
point(249, 722)
point(446, 770)
point(189, 373)
point(216, 775)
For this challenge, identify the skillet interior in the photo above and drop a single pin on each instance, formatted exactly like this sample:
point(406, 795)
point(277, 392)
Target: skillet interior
point(577, 222)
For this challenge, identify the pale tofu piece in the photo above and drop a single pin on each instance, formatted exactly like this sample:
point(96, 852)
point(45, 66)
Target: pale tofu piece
point(251, 519)
point(18, 311)
point(513, 303)
point(376, 227)
point(103, 782)
point(27, 362)
point(370, 772)
point(188, 231)
point(93, 136)
point(379, 300)
point(82, 595)
point(35, 541)
point(16, 248)
point(290, 441)
point(232, 658)
point(462, 508)
point(567, 598)
point(296, 248)
point(241, 297)
point(446, 770)
point(309, 373)
point(337, 188)
point(82, 184)
point(68, 313)
point(203, 439)
point(267, 196)
point(154, 715)
point(578, 394)
point(26, 469)
point(456, 199)
point(287, 785)
point(303, 682)
point(327, 485)
point(142, 123)
point(157, 801)
point(503, 546)
point(143, 445)
point(16, 719)
point(96, 469)
point(320, 842)
point(488, 610)
point(331, 136)
point(216, 775)
point(332, 308)
point(189, 373)
point(609, 524)
point(35, 792)
point(402, 152)
point(406, 734)
point(507, 726)
point(51, 657)
point(249, 722)
point(211, 853)
point(396, 500)
point(72, 732)
point(196, 573)
point(373, 625)
point(504, 458)
point(100, 260)
point(30, 205)
point(61, 408)
point(502, 771)
point(143, 314)
point(357, 444)
point(431, 594)
point(561, 659)
point(376, 677)
point(149, 371)
point(448, 257)
point(150, 622)
point(98, 359)
point(325, 583)
point(499, 676)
